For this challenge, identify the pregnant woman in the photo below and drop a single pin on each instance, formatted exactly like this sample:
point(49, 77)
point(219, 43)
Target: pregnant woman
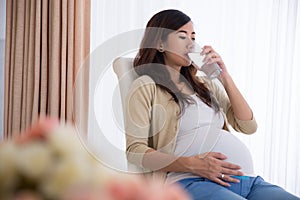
point(177, 123)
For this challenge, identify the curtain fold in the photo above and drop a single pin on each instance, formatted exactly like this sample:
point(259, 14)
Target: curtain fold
point(46, 44)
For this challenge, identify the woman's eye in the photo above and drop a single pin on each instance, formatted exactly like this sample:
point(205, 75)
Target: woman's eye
point(182, 37)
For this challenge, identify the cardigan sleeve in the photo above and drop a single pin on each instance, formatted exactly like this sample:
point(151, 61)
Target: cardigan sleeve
point(243, 126)
point(137, 118)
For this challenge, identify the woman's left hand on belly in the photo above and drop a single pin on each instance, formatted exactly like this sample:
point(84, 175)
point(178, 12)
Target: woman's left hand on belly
point(212, 166)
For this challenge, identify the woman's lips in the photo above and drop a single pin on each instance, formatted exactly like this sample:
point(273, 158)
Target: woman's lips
point(186, 55)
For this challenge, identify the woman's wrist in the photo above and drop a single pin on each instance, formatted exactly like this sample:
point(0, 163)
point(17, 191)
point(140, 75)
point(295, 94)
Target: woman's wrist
point(226, 79)
point(185, 164)
point(188, 163)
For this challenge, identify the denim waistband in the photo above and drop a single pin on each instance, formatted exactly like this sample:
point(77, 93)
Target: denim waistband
point(242, 177)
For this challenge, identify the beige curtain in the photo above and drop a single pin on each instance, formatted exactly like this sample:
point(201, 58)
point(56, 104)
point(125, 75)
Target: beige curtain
point(46, 43)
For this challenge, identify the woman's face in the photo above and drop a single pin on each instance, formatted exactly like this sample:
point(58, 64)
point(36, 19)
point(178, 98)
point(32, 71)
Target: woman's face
point(179, 43)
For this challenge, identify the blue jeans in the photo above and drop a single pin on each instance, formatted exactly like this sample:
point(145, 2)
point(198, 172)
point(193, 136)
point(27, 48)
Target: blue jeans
point(251, 188)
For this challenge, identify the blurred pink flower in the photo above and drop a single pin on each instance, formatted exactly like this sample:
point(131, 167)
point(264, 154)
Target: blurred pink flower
point(38, 130)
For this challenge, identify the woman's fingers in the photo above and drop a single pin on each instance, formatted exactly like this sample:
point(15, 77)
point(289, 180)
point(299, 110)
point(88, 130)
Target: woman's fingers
point(221, 182)
point(227, 167)
point(232, 170)
point(230, 166)
point(206, 49)
point(211, 56)
point(214, 60)
point(219, 170)
point(216, 155)
point(229, 179)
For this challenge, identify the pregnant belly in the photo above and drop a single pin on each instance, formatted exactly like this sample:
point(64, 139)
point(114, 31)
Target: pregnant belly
point(200, 141)
point(236, 151)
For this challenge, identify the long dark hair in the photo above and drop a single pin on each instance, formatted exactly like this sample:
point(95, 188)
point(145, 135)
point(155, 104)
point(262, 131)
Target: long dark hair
point(150, 61)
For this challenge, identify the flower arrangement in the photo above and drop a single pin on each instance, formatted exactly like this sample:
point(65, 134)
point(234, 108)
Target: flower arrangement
point(49, 162)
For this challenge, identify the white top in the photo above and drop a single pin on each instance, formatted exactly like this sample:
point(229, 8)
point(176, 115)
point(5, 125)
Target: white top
point(200, 131)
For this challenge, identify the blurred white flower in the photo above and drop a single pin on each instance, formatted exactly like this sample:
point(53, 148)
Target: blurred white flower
point(63, 175)
point(48, 167)
point(8, 171)
point(64, 141)
point(33, 161)
point(56, 166)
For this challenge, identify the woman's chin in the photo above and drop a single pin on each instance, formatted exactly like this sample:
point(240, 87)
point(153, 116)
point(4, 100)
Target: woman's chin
point(186, 61)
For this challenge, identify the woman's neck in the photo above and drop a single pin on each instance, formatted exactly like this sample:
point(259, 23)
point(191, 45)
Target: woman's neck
point(174, 72)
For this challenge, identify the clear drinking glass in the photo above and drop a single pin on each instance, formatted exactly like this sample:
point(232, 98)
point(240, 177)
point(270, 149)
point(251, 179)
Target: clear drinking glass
point(211, 70)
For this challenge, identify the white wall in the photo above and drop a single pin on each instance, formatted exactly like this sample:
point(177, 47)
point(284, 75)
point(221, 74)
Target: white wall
point(2, 52)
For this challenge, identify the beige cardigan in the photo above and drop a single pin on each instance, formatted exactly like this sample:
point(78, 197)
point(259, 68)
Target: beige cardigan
point(151, 119)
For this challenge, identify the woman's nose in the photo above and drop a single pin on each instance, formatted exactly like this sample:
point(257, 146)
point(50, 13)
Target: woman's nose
point(191, 47)
point(190, 44)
